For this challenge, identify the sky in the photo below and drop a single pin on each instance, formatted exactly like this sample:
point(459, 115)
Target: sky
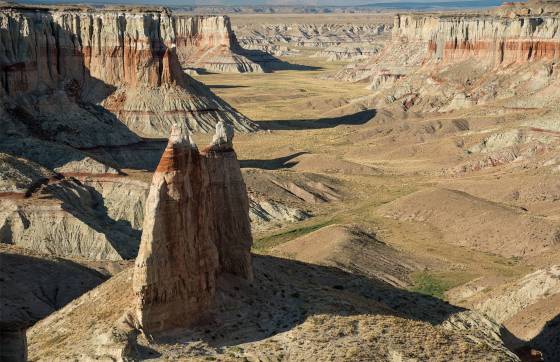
point(397, 3)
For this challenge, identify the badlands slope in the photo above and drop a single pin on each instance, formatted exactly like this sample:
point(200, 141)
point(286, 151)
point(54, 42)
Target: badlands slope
point(467, 185)
point(407, 202)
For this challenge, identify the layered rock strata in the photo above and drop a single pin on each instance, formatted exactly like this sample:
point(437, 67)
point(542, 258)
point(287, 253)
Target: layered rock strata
point(75, 75)
point(308, 35)
point(491, 38)
point(196, 227)
point(449, 62)
point(67, 218)
point(342, 53)
point(208, 42)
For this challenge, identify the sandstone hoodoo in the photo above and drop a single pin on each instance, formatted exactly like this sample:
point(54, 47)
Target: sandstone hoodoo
point(196, 227)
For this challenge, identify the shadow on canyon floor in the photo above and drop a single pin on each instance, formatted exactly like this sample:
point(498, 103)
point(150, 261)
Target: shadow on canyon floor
point(88, 205)
point(226, 86)
point(355, 119)
point(548, 340)
point(273, 164)
point(33, 287)
point(270, 63)
point(146, 154)
point(286, 292)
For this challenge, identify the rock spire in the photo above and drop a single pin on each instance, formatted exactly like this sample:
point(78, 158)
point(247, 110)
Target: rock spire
point(196, 227)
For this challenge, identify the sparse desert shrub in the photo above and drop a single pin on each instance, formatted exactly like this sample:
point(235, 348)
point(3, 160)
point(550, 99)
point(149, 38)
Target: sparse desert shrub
point(429, 284)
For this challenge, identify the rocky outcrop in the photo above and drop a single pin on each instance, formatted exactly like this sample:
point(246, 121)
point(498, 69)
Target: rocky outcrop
point(18, 175)
point(66, 218)
point(208, 42)
point(268, 214)
point(512, 299)
point(196, 227)
point(342, 53)
point(532, 143)
point(528, 307)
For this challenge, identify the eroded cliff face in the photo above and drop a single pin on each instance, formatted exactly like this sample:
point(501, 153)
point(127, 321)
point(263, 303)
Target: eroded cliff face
point(67, 218)
point(196, 227)
point(208, 42)
point(42, 48)
point(490, 38)
point(449, 62)
point(65, 68)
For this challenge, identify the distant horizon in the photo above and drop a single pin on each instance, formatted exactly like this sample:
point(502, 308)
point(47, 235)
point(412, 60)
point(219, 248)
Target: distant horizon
point(390, 4)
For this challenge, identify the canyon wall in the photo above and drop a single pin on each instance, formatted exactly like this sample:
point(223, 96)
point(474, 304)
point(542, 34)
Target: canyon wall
point(449, 61)
point(209, 43)
point(42, 48)
point(67, 68)
point(492, 38)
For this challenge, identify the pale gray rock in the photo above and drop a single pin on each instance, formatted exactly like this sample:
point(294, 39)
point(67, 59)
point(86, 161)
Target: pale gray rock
point(18, 175)
point(223, 137)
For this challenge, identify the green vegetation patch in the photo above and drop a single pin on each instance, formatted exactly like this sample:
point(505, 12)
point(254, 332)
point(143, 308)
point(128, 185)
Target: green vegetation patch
point(268, 242)
point(436, 284)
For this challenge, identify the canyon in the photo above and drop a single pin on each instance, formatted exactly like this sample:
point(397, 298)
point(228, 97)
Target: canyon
point(335, 41)
point(392, 192)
